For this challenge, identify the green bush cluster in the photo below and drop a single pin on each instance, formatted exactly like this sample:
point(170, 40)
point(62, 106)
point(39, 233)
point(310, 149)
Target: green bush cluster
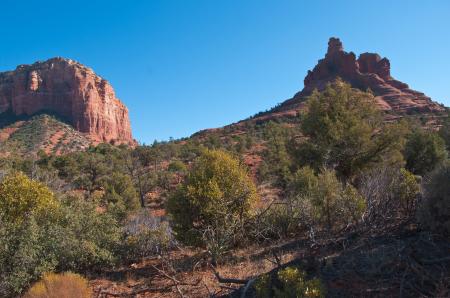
point(423, 151)
point(345, 131)
point(71, 235)
point(324, 166)
point(214, 202)
point(21, 197)
point(277, 162)
point(146, 236)
point(290, 282)
point(177, 166)
point(313, 201)
point(434, 212)
point(407, 190)
point(444, 131)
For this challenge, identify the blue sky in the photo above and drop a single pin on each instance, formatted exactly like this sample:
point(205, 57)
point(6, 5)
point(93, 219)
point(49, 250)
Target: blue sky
point(181, 66)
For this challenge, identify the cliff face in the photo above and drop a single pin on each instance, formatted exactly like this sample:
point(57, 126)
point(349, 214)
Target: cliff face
point(71, 91)
point(368, 71)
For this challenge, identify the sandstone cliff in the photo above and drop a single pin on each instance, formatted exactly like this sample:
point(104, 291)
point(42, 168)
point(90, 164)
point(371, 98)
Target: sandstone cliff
point(71, 91)
point(368, 71)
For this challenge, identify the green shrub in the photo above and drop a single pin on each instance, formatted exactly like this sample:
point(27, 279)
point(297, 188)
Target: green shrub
point(217, 194)
point(120, 194)
point(290, 283)
point(353, 204)
point(277, 161)
point(390, 193)
point(263, 171)
point(293, 214)
point(262, 286)
point(312, 201)
point(424, 151)
point(77, 237)
point(444, 131)
point(20, 196)
point(303, 183)
point(177, 166)
point(333, 204)
point(346, 131)
point(84, 238)
point(407, 190)
point(279, 221)
point(434, 212)
point(23, 255)
point(146, 236)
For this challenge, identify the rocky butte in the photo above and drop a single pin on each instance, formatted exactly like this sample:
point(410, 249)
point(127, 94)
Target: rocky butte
point(71, 91)
point(368, 71)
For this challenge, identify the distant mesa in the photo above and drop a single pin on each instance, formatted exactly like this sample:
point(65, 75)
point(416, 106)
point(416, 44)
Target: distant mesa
point(369, 71)
point(71, 91)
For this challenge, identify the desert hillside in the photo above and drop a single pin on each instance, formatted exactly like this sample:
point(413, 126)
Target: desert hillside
point(340, 191)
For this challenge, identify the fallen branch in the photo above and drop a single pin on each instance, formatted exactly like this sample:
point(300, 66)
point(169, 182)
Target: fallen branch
point(228, 288)
point(228, 280)
point(133, 293)
point(176, 282)
point(166, 275)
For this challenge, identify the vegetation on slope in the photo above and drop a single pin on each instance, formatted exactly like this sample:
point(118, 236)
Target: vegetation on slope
point(341, 180)
point(41, 133)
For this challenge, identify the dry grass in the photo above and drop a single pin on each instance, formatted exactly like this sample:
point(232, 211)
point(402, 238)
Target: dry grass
point(65, 285)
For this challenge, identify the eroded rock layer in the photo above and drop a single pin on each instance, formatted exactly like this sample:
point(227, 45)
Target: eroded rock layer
point(71, 91)
point(368, 71)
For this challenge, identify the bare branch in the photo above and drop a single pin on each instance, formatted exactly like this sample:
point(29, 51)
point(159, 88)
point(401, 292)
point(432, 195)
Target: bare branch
point(228, 280)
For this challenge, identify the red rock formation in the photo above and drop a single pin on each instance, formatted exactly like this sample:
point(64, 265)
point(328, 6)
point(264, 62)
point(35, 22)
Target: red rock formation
point(369, 71)
point(71, 91)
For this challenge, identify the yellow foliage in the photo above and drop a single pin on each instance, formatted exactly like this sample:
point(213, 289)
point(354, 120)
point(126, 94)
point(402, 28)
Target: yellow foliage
point(407, 190)
point(66, 285)
point(218, 191)
point(292, 283)
point(262, 286)
point(295, 284)
point(20, 195)
point(219, 183)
